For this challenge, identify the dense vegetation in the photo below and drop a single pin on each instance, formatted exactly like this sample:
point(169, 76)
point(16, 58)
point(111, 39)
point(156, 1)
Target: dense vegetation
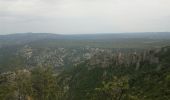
point(149, 81)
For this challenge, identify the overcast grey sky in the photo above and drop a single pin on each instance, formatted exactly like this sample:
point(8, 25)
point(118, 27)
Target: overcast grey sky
point(84, 16)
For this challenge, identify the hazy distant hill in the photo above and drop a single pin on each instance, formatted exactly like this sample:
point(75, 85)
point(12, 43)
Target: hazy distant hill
point(24, 38)
point(147, 35)
point(37, 36)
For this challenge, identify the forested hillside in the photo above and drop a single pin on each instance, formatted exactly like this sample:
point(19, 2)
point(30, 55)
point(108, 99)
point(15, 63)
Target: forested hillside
point(140, 80)
point(143, 75)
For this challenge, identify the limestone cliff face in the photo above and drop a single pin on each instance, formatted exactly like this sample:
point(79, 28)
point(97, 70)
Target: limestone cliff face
point(106, 59)
point(61, 57)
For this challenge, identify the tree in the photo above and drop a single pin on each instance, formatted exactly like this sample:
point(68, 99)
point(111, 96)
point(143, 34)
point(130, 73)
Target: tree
point(113, 90)
point(44, 84)
point(23, 84)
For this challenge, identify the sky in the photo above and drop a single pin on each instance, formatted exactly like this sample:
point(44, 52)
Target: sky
point(84, 16)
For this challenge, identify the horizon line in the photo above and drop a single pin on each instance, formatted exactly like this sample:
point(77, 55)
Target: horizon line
point(81, 33)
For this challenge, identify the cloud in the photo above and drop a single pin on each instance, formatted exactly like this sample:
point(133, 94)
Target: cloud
point(84, 16)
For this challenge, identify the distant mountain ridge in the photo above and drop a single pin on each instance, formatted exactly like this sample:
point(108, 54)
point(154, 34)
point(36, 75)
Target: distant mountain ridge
point(88, 36)
point(112, 39)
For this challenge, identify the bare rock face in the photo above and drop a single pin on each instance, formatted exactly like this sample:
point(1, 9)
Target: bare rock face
point(7, 77)
point(105, 59)
point(11, 76)
point(137, 66)
point(101, 57)
point(154, 60)
point(26, 52)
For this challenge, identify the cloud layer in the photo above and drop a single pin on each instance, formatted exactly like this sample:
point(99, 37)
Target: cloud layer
point(84, 16)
